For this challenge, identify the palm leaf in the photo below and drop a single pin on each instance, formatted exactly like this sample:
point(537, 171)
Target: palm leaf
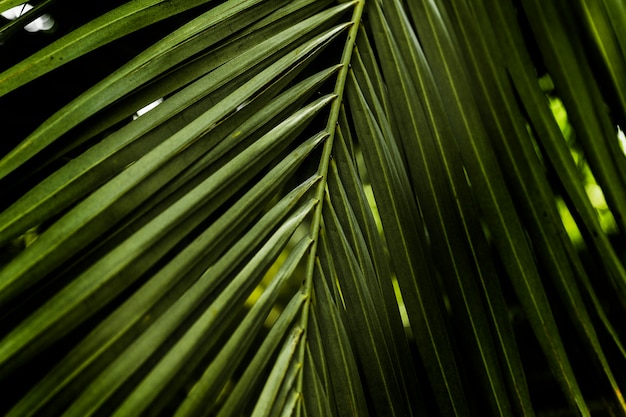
point(335, 211)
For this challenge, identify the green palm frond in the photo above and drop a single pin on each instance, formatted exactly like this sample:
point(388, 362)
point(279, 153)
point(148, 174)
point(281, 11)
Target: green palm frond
point(338, 208)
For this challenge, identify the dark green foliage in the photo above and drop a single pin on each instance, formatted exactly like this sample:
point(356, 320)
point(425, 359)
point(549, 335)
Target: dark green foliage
point(339, 208)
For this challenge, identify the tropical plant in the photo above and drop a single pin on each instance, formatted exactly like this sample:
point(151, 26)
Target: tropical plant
point(338, 208)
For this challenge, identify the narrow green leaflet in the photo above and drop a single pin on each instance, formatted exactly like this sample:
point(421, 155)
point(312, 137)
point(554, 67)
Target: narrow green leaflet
point(346, 175)
point(531, 188)
point(198, 338)
point(152, 299)
point(284, 369)
point(347, 389)
point(215, 26)
point(125, 19)
point(371, 285)
point(315, 399)
point(435, 190)
point(556, 150)
point(297, 9)
point(284, 401)
point(492, 194)
point(70, 182)
point(253, 375)
point(605, 37)
point(68, 301)
point(63, 238)
point(581, 95)
point(408, 258)
point(363, 319)
point(223, 365)
point(559, 154)
point(292, 404)
point(368, 58)
point(616, 11)
point(315, 348)
point(189, 71)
